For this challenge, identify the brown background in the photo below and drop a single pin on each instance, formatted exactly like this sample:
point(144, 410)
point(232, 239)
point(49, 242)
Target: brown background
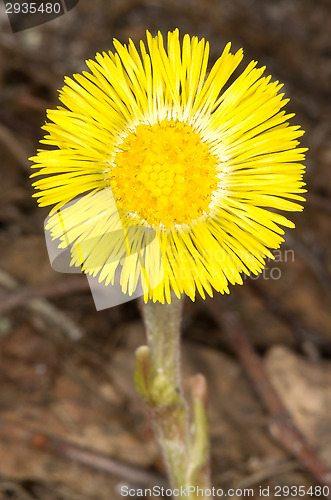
point(81, 390)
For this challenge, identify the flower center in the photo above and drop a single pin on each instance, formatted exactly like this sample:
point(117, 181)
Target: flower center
point(164, 173)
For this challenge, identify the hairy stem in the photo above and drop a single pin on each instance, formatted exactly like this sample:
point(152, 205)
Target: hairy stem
point(182, 433)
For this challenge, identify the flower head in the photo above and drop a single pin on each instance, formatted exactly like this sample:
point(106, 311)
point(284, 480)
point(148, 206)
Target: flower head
point(170, 169)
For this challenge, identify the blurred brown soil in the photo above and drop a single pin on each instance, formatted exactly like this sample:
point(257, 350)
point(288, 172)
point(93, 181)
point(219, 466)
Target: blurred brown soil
point(81, 391)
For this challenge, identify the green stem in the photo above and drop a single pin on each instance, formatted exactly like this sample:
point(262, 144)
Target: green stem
point(162, 323)
point(183, 440)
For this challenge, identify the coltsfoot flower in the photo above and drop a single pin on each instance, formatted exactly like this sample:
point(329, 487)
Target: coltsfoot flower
point(152, 143)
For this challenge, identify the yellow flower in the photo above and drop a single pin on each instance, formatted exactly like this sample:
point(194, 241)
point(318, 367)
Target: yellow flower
point(178, 178)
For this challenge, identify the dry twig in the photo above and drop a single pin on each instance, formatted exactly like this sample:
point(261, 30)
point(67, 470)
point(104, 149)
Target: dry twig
point(90, 458)
point(281, 425)
point(65, 287)
point(35, 103)
point(278, 469)
point(53, 316)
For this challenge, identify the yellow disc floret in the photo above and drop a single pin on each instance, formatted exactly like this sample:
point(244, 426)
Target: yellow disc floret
point(164, 173)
